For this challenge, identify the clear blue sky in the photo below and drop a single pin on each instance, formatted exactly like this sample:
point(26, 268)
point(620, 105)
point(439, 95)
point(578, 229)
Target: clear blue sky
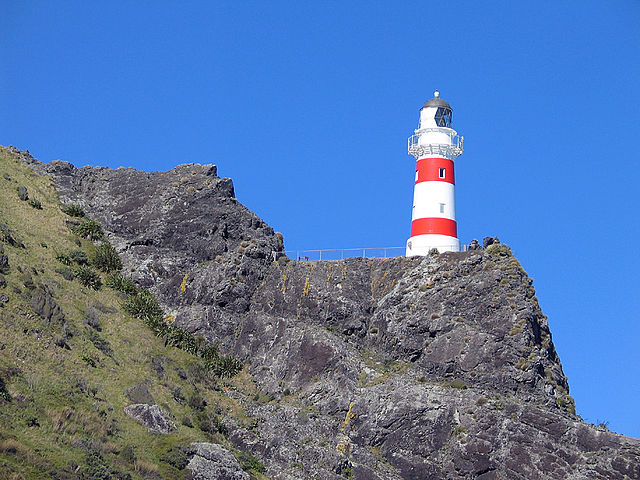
point(308, 105)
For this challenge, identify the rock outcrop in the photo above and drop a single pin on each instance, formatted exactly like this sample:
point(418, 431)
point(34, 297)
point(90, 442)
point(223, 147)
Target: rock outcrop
point(404, 368)
point(151, 417)
point(214, 461)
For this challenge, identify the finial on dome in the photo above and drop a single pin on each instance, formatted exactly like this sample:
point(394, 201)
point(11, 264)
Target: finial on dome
point(436, 94)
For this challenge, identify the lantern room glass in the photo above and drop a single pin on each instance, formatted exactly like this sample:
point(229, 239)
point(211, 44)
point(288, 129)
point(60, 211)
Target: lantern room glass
point(443, 117)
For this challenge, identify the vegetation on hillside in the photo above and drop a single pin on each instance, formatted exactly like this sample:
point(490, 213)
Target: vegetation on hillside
point(79, 342)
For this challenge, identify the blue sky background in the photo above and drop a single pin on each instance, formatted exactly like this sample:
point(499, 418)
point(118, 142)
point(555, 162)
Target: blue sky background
point(308, 106)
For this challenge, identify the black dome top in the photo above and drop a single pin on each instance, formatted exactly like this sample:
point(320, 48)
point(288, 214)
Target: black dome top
point(436, 102)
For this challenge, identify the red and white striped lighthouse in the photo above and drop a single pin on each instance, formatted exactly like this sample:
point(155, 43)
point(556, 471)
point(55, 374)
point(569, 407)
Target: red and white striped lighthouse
point(435, 145)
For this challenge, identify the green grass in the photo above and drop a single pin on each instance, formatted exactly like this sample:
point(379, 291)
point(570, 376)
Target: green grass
point(62, 409)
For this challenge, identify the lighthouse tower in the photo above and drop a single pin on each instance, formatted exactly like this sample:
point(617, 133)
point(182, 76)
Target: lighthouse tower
point(435, 145)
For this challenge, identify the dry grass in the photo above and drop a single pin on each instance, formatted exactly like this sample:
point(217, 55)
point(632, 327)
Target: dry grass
point(146, 468)
point(11, 446)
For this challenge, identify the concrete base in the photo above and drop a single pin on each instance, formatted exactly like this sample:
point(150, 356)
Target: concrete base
point(421, 245)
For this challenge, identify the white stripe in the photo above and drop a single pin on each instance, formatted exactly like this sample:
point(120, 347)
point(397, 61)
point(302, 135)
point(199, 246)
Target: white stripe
point(428, 197)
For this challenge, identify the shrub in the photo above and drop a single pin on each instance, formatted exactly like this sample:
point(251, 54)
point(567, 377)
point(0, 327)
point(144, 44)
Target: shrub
point(249, 462)
point(100, 343)
point(106, 258)
point(128, 454)
point(225, 366)
point(119, 282)
point(35, 204)
point(64, 259)
point(89, 361)
point(458, 384)
point(96, 467)
point(196, 401)
point(434, 251)
point(4, 394)
point(73, 210)
point(208, 353)
point(88, 277)
point(176, 458)
point(498, 250)
point(89, 229)
point(143, 305)
point(66, 273)
point(79, 256)
point(210, 423)
point(32, 421)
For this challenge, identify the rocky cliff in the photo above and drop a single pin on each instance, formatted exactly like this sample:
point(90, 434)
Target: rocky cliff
point(371, 369)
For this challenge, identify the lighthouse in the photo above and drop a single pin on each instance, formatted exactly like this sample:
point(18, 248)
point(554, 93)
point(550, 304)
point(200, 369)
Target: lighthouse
point(435, 145)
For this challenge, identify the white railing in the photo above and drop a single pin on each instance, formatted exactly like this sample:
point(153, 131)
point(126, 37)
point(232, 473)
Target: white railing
point(457, 141)
point(342, 253)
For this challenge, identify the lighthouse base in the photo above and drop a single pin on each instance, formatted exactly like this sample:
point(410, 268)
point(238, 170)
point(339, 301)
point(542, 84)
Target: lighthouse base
point(421, 245)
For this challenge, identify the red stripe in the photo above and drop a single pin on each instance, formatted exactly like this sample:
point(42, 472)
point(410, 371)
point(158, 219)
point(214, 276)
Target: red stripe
point(434, 226)
point(429, 170)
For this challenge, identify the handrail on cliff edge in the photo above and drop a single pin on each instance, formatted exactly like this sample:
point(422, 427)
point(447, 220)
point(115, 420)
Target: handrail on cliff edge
point(342, 253)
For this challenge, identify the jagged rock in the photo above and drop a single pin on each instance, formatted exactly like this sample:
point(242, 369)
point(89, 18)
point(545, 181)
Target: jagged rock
point(43, 303)
point(22, 193)
point(489, 241)
point(3, 299)
point(7, 235)
point(4, 261)
point(151, 417)
point(62, 343)
point(27, 280)
point(214, 462)
point(3, 281)
point(404, 368)
point(474, 245)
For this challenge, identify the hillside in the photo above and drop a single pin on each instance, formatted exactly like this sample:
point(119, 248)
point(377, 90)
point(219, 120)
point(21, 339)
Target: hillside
point(402, 368)
point(71, 359)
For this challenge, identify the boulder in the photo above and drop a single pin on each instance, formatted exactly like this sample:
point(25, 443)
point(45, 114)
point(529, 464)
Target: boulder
point(489, 241)
point(43, 303)
point(151, 417)
point(4, 264)
point(22, 193)
point(214, 462)
point(474, 245)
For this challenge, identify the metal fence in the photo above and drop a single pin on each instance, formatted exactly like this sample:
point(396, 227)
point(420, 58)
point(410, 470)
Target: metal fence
point(342, 253)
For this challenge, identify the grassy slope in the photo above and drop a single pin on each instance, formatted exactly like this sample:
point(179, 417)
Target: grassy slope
point(63, 409)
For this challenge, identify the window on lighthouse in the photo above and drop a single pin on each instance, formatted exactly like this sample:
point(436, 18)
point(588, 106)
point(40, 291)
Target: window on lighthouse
point(442, 208)
point(442, 173)
point(443, 117)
